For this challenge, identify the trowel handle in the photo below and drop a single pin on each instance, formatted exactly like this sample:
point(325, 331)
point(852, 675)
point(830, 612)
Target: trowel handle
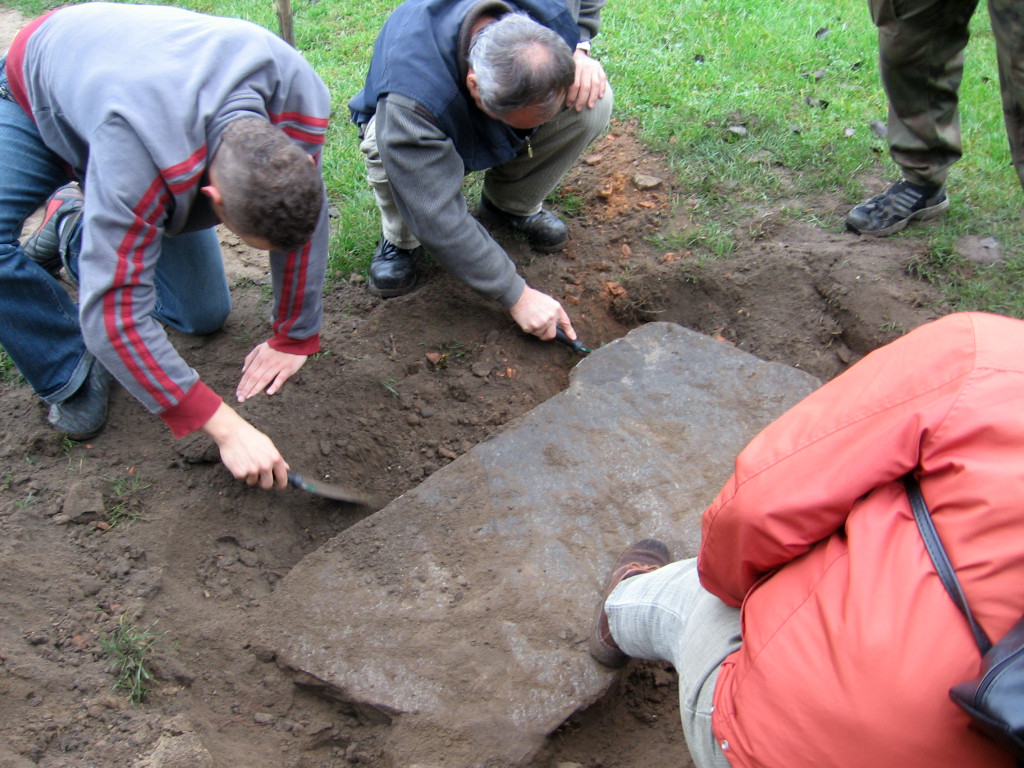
point(575, 344)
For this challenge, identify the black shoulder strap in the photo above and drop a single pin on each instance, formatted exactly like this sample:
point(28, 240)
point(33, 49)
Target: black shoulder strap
point(940, 559)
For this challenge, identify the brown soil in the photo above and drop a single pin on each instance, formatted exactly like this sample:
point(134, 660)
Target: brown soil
point(402, 388)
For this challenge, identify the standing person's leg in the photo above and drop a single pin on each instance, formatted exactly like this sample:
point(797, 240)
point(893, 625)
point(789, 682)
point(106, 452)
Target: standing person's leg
point(921, 62)
point(1008, 29)
point(667, 615)
point(39, 324)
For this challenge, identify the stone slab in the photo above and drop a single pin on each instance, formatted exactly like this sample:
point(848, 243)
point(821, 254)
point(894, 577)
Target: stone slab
point(459, 614)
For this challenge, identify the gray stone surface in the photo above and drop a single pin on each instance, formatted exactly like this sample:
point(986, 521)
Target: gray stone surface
point(460, 613)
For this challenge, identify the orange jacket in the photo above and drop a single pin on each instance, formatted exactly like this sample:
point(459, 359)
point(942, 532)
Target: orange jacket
point(850, 641)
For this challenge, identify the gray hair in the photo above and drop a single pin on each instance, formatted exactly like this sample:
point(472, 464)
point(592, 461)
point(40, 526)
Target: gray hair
point(520, 63)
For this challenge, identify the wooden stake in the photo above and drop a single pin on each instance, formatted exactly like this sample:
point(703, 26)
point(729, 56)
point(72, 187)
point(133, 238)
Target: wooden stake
point(284, 20)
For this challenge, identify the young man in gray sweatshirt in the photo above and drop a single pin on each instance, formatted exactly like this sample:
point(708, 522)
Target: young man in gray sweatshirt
point(171, 122)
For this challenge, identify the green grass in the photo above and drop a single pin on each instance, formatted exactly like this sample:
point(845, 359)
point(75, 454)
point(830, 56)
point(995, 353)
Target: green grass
point(127, 649)
point(127, 506)
point(8, 373)
point(689, 71)
point(801, 78)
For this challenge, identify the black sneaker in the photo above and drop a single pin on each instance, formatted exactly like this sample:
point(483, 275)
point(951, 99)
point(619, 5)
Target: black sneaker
point(544, 230)
point(48, 245)
point(392, 270)
point(899, 205)
point(84, 414)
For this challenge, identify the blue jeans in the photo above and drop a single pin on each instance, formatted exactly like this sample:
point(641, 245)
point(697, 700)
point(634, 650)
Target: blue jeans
point(39, 327)
point(667, 615)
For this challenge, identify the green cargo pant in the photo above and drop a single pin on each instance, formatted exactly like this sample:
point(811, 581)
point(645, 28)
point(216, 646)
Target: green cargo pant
point(921, 57)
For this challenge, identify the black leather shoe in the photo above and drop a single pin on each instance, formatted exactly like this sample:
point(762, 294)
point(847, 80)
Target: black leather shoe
point(544, 231)
point(392, 270)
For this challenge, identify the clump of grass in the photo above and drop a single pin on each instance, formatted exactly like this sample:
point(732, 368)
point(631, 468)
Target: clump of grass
point(8, 373)
point(570, 203)
point(244, 282)
point(128, 648)
point(28, 501)
point(127, 508)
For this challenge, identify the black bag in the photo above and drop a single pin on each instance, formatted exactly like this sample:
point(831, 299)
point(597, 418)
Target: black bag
point(994, 699)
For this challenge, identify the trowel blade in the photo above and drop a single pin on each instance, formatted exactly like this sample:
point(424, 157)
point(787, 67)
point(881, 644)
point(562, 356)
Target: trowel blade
point(329, 491)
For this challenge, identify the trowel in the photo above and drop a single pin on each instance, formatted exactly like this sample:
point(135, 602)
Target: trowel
point(337, 492)
point(575, 344)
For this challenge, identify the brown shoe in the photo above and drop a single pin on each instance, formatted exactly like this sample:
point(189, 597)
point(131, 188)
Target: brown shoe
point(643, 557)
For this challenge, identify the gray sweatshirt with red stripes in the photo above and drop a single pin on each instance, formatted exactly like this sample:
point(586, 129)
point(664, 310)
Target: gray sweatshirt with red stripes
point(135, 99)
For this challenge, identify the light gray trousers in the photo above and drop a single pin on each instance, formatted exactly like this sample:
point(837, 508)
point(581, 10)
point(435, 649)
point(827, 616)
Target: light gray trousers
point(518, 186)
point(666, 615)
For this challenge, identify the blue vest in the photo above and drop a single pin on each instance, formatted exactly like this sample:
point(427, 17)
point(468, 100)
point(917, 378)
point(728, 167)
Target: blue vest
point(416, 55)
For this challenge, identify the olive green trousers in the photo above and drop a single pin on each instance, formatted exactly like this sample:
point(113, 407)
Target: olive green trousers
point(921, 57)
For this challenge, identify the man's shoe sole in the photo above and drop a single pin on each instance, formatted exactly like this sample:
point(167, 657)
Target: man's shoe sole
point(548, 248)
point(924, 214)
point(388, 293)
point(78, 437)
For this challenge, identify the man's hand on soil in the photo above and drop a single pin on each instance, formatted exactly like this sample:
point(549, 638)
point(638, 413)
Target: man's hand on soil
point(247, 453)
point(266, 368)
point(539, 314)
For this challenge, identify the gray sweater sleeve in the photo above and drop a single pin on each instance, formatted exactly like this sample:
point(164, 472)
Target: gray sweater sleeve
point(426, 174)
point(117, 266)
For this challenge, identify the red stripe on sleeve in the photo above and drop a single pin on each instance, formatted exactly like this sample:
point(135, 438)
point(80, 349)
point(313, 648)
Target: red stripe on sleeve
point(299, 135)
point(183, 175)
point(298, 117)
point(298, 265)
point(118, 304)
point(301, 127)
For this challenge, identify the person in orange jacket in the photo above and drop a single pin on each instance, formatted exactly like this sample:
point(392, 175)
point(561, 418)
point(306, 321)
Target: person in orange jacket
point(812, 628)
